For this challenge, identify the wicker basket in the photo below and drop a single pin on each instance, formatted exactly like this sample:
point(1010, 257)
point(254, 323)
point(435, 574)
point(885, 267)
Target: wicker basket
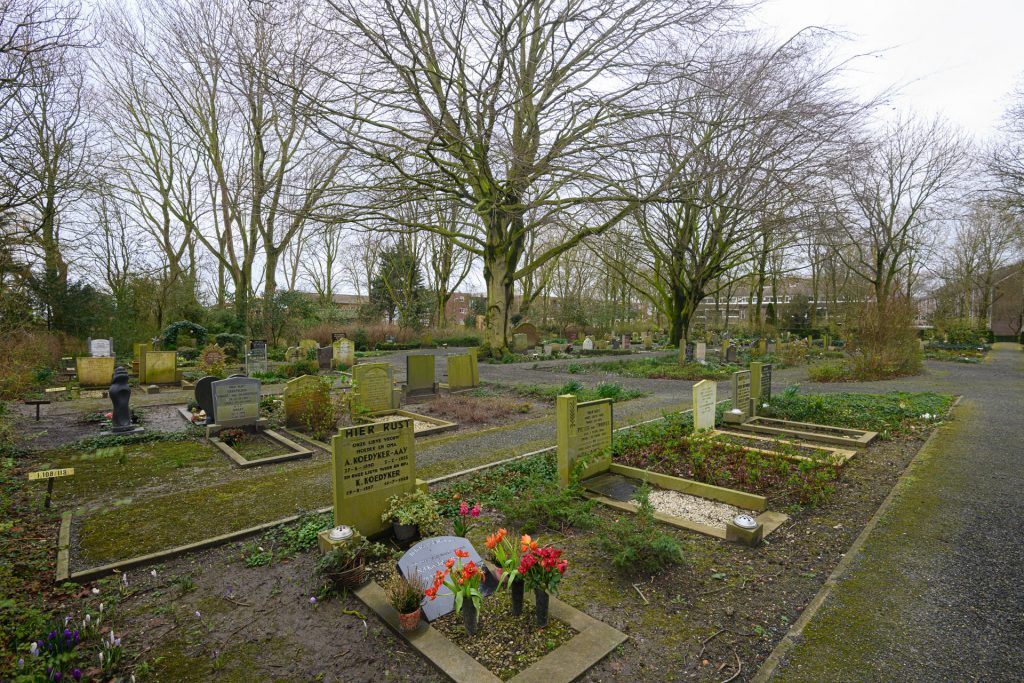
point(353, 577)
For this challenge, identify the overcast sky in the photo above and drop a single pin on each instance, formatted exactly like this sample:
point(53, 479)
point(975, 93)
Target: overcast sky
point(960, 58)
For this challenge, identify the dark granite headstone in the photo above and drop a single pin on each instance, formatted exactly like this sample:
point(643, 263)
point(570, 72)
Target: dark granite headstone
point(427, 557)
point(730, 354)
point(766, 383)
point(690, 346)
point(204, 396)
point(324, 356)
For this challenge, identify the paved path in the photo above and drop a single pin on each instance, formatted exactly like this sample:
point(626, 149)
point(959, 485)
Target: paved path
point(937, 591)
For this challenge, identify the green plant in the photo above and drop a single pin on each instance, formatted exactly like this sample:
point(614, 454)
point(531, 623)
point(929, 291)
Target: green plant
point(545, 504)
point(300, 368)
point(635, 544)
point(415, 508)
point(404, 593)
point(185, 583)
point(574, 368)
point(301, 536)
point(257, 556)
point(346, 555)
point(612, 391)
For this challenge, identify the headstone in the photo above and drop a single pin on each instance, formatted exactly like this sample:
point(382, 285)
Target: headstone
point(427, 557)
point(583, 430)
point(94, 372)
point(204, 396)
point(370, 463)
point(648, 341)
point(762, 347)
point(723, 351)
point(460, 372)
point(827, 341)
point(766, 383)
point(705, 396)
point(120, 396)
point(520, 342)
point(161, 367)
point(731, 354)
point(626, 341)
point(236, 401)
point(324, 357)
point(335, 336)
point(345, 352)
point(771, 346)
point(474, 366)
point(601, 344)
point(420, 374)
point(101, 348)
point(741, 393)
point(549, 349)
point(372, 386)
point(755, 386)
point(531, 332)
point(139, 352)
point(293, 354)
point(700, 351)
point(293, 391)
point(588, 344)
point(256, 358)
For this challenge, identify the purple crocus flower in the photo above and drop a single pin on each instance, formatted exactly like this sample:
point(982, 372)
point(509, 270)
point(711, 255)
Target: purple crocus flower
point(76, 674)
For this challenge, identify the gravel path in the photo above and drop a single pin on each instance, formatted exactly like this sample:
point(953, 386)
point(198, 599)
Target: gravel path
point(936, 592)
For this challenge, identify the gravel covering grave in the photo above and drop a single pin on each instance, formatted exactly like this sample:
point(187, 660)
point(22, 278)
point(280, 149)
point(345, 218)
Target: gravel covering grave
point(694, 508)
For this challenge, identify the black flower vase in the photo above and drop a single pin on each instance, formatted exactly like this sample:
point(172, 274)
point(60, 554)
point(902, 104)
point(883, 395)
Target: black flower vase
point(516, 590)
point(541, 599)
point(470, 617)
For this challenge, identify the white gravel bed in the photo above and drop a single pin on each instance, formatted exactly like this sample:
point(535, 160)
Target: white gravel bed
point(696, 509)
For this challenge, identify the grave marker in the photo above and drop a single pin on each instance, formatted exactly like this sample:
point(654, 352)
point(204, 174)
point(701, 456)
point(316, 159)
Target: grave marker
point(462, 371)
point(626, 341)
point(161, 367)
point(584, 429)
point(236, 401)
point(345, 352)
point(705, 396)
point(373, 386)
point(741, 393)
point(700, 352)
point(256, 358)
point(309, 344)
point(324, 357)
point(139, 352)
point(766, 383)
point(648, 341)
point(420, 374)
point(428, 557)
point(50, 476)
point(588, 344)
point(370, 463)
point(520, 342)
point(101, 348)
point(293, 354)
point(731, 354)
point(204, 396)
point(94, 372)
point(293, 391)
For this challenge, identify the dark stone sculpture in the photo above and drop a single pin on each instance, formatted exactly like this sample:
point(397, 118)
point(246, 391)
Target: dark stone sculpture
point(120, 394)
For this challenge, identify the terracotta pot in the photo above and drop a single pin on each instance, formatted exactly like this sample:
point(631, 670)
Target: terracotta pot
point(410, 621)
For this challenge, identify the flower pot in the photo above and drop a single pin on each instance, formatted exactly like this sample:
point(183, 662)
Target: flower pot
point(470, 616)
point(352, 577)
point(541, 599)
point(404, 533)
point(516, 590)
point(410, 621)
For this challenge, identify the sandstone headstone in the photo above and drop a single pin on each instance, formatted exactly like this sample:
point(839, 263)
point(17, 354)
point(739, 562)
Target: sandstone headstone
point(236, 401)
point(94, 372)
point(427, 557)
point(520, 342)
point(101, 348)
point(731, 354)
point(372, 386)
point(293, 354)
point(460, 372)
point(420, 374)
point(531, 332)
point(293, 391)
point(370, 463)
point(139, 352)
point(584, 430)
point(345, 352)
point(741, 393)
point(700, 351)
point(705, 396)
point(161, 367)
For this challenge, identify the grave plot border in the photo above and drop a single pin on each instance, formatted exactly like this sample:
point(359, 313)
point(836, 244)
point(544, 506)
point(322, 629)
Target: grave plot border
point(838, 456)
point(806, 431)
point(593, 641)
point(440, 425)
point(296, 451)
point(748, 501)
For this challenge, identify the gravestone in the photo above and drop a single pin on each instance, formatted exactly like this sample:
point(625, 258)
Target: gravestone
point(256, 358)
point(204, 396)
point(474, 364)
point(372, 387)
point(139, 352)
point(94, 372)
point(520, 342)
point(584, 429)
point(762, 347)
point(101, 348)
point(531, 332)
point(588, 344)
point(161, 367)
point(345, 352)
point(420, 374)
point(766, 383)
point(369, 464)
point(324, 357)
point(705, 396)
point(615, 344)
point(755, 386)
point(462, 371)
point(548, 349)
point(741, 393)
point(293, 354)
point(626, 341)
point(648, 341)
point(700, 351)
point(335, 336)
point(309, 344)
point(427, 557)
point(771, 347)
point(723, 351)
point(731, 354)
point(236, 401)
point(293, 391)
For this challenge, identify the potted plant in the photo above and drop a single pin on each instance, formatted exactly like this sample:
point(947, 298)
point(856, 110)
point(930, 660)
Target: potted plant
point(541, 569)
point(406, 596)
point(345, 565)
point(506, 555)
point(411, 513)
point(463, 582)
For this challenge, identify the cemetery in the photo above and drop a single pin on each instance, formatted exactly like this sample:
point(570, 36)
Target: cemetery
point(527, 342)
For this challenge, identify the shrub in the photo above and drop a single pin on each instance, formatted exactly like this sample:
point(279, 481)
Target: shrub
point(24, 357)
point(417, 508)
point(885, 344)
point(832, 371)
point(608, 390)
point(300, 368)
point(542, 503)
point(318, 412)
point(634, 542)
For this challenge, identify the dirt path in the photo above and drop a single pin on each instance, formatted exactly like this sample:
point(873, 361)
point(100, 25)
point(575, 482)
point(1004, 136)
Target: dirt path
point(935, 592)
